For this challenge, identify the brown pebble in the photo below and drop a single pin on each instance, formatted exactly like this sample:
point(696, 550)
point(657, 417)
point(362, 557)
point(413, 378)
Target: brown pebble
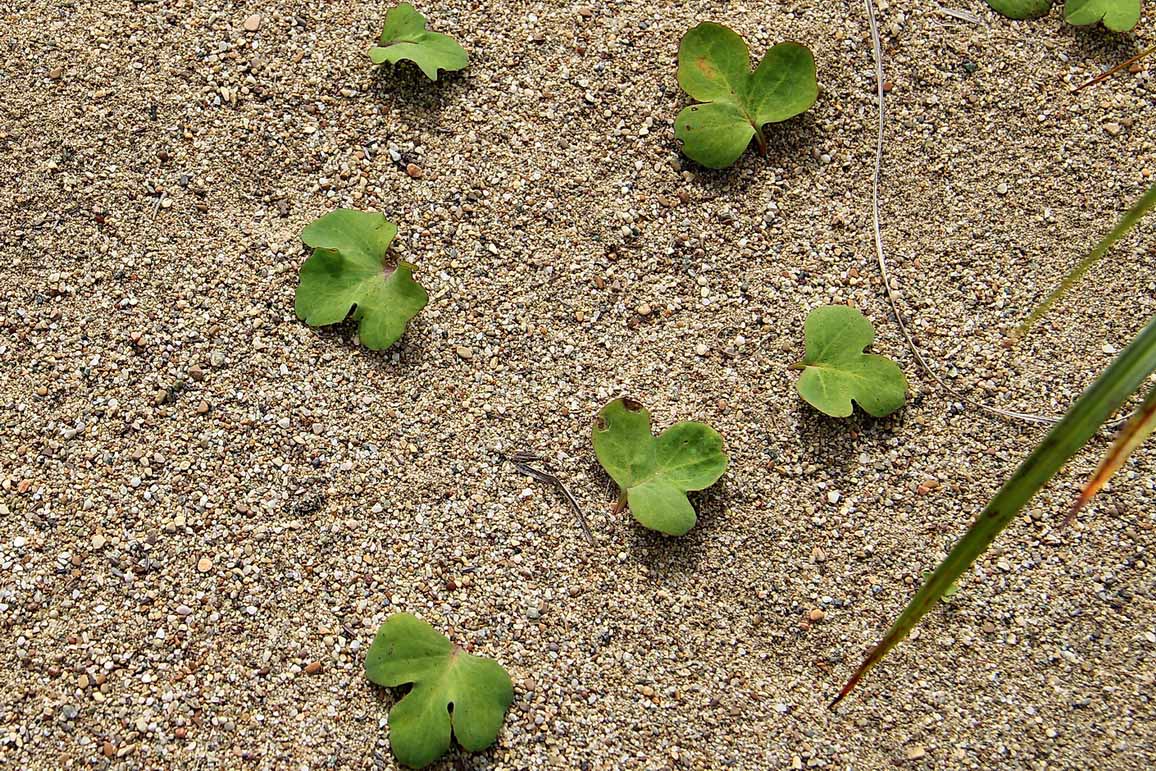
point(181, 732)
point(413, 170)
point(464, 352)
point(42, 391)
point(56, 73)
point(916, 752)
point(202, 408)
point(108, 748)
point(253, 22)
point(644, 309)
point(816, 615)
point(204, 565)
point(160, 397)
point(196, 373)
point(313, 667)
point(82, 682)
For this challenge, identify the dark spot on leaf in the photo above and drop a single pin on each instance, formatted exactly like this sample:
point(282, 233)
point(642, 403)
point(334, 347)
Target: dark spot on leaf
point(631, 405)
point(599, 423)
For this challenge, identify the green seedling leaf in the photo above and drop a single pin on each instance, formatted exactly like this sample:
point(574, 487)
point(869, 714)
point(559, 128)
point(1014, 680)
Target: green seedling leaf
point(948, 593)
point(348, 271)
point(835, 369)
point(1117, 15)
point(1021, 9)
point(654, 475)
point(405, 37)
point(453, 691)
point(1123, 377)
point(714, 68)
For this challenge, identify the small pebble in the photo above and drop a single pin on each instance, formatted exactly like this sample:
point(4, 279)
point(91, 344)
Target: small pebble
point(253, 22)
point(644, 309)
point(204, 565)
point(313, 667)
point(464, 352)
point(413, 170)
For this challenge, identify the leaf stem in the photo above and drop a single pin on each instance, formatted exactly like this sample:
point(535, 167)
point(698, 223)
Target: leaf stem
point(761, 139)
point(619, 504)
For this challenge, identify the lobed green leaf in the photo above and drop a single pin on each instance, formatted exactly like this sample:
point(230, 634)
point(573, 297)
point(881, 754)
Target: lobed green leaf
point(347, 272)
point(453, 692)
point(655, 474)
point(836, 371)
point(714, 68)
point(405, 36)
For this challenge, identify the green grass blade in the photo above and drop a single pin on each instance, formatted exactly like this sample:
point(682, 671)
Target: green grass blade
point(1119, 381)
point(1126, 223)
point(1139, 428)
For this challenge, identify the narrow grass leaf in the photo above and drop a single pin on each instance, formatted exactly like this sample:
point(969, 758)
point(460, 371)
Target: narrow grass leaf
point(1122, 378)
point(1138, 428)
point(1126, 223)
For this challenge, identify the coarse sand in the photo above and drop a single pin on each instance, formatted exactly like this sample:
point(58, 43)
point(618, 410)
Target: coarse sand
point(207, 508)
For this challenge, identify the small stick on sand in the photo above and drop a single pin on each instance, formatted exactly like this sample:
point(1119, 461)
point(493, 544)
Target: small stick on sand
point(521, 461)
point(1110, 72)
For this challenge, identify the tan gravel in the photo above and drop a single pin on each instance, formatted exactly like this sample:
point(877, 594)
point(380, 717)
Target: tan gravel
point(206, 508)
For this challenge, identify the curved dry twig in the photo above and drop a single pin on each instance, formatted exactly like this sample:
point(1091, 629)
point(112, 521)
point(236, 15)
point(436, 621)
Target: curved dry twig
point(882, 260)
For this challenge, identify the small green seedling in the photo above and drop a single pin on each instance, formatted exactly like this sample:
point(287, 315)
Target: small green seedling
point(348, 271)
point(1117, 15)
point(835, 369)
point(714, 68)
point(453, 691)
point(948, 593)
point(405, 37)
point(654, 475)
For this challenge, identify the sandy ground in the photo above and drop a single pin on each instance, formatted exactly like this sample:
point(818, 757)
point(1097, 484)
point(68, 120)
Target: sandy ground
point(207, 508)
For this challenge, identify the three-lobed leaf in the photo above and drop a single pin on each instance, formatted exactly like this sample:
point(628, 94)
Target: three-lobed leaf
point(453, 691)
point(348, 271)
point(837, 371)
point(404, 36)
point(655, 474)
point(714, 68)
